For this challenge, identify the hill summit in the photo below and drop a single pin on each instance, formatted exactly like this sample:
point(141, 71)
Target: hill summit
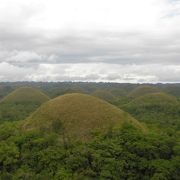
point(143, 90)
point(20, 103)
point(156, 107)
point(78, 115)
point(105, 95)
point(25, 94)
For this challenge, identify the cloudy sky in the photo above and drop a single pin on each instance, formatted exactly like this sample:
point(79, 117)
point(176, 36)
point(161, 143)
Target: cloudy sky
point(90, 40)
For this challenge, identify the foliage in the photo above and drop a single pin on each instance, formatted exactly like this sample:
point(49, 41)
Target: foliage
point(123, 153)
point(120, 153)
point(156, 108)
point(16, 111)
point(21, 103)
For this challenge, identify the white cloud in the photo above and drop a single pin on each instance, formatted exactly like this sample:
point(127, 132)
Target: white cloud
point(92, 72)
point(90, 40)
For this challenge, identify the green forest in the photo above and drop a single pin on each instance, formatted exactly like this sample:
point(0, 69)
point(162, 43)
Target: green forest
point(89, 131)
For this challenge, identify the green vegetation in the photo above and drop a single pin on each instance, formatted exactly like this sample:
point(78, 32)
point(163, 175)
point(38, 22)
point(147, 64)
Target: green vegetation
point(157, 108)
point(105, 95)
point(79, 114)
point(135, 93)
point(143, 90)
point(118, 92)
point(25, 94)
point(20, 103)
point(78, 136)
point(123, 153)
point(5, 90)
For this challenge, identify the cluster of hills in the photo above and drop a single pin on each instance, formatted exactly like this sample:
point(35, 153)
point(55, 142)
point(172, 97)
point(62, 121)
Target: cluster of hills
point(151, 105)
point(80, 113)
point(73, 114)
point(100, 133)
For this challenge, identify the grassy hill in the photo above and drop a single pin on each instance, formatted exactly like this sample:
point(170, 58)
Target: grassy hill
point(25, 94)
point(143, 90)
point(155, 108)
point(20, 103)
point(105, 95)
point(78, 115)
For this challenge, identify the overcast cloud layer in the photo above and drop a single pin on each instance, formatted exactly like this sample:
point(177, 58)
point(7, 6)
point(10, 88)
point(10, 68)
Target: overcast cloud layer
point(90, 40)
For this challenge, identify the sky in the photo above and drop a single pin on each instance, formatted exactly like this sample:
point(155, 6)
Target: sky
point(134, 41)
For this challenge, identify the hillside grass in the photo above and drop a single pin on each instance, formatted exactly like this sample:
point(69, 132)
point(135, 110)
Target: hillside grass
point(21, 103)
point(155, 108)
point(143, 90)
point(78, 115)
point(105, 95)
point(25, 94)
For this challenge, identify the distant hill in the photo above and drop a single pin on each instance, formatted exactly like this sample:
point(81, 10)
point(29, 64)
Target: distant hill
point(155, 107)
point(105, 95)
point(118, 92)
point(25, 94)
point(20, 103)
point(4, 90)
point(143, 90)
point(78, 115)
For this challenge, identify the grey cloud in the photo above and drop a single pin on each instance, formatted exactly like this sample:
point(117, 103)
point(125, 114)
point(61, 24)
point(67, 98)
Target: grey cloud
point(131, 56)
point(86, 46)
point(121, 48)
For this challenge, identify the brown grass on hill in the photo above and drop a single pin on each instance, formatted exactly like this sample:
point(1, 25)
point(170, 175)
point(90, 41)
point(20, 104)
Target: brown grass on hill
point(25, 94)
point(154, 98)
point(79, 115)
point(143, 90)
point(105, 95)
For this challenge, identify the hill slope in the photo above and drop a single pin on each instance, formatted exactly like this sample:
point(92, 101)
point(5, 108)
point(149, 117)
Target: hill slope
point(20, 103)
point(156, 107)
point(143, 90)
point(78, 114)
point(105, 95)
point(25, 94)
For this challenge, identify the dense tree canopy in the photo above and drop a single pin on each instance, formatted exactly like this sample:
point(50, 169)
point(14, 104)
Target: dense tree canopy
point(118, 154)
